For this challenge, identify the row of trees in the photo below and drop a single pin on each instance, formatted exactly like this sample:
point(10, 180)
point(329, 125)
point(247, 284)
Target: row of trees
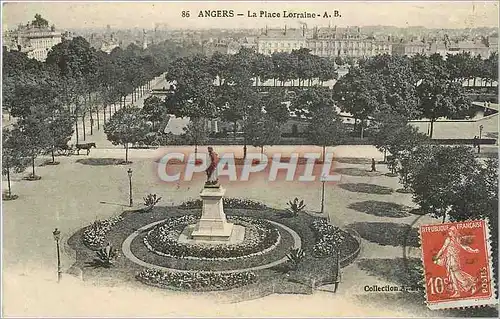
point(381, 87)
point(226, 87)
point(299, 66)
point(419, 87)
point(49, 100)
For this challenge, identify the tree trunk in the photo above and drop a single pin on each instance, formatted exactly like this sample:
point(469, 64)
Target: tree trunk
point(8, 182)
point(52, 153)
point(91, 122)
point(126, 153)
point(361, 124)
point(104, 110)
point(76, 125)
point(432, 128)
point(33, 165)
point(83, 125)
point(324, 152)
point(444, 217)
point(385, 156)
point(262, 150)
point(97, 114)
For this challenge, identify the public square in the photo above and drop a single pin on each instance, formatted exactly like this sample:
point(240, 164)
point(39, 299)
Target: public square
point(405, 118)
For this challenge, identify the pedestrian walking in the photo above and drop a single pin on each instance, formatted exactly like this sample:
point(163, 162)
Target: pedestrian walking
point(373, 166)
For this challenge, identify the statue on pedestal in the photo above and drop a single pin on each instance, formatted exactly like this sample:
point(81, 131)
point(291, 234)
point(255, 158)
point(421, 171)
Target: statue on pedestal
point(212, 178)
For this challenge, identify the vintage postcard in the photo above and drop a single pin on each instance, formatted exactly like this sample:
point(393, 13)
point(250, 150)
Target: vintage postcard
point(250, 159)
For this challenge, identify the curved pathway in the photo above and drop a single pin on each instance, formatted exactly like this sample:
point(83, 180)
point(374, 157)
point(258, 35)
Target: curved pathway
point(128, 252)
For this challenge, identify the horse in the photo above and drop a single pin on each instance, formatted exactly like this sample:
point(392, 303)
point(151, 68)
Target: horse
point(86, 146)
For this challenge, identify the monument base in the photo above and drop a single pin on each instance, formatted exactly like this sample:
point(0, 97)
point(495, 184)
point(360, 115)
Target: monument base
point(212, 225)
point(236, 237)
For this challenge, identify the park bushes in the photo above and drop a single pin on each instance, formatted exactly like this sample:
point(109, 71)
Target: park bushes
point(195, 280)
point(328, 238)
point(163, 240)
point(94, 235)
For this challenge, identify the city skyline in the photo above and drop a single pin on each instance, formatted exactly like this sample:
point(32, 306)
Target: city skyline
point(129, 15)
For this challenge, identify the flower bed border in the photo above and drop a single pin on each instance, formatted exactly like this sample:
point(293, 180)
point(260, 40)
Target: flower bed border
point(257, 253)
point(145, 281)
point(101, 238)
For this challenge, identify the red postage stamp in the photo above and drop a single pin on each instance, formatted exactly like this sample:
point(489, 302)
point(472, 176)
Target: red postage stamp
point(457, 264)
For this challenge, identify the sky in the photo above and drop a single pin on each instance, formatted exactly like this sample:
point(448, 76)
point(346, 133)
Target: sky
point(119, 15)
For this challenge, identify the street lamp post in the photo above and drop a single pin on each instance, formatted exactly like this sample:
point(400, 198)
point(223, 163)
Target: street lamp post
point(323, 178)
point(129, 172)
point(57, 237)
point(479, 142)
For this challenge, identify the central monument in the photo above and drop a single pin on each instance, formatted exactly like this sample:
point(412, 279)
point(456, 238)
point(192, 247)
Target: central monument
point(213, 225)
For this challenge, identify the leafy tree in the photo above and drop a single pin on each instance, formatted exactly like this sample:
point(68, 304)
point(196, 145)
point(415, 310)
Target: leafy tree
point(154, 110)
point(397, 92)
point(262, 68)
point(196, 133)
point(126, 126)
point(326, 127)
point(14, 157)
point(33, 135)
point(491, 68)
point(285, 66)
point(261, 129)
point(40, 22)
point(437, 184)
point(60, 129)
point(359, 93)
point(219, 66)
point(442, 98)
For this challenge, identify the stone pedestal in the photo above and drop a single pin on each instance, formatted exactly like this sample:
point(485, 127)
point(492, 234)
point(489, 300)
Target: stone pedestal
point(213, 225)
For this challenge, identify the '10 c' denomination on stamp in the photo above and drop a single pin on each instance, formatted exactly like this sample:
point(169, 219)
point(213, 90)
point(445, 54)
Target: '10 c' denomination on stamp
point(457, 265)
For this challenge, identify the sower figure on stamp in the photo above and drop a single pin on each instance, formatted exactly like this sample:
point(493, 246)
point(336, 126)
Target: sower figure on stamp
point(449, 257)
point(212, 178)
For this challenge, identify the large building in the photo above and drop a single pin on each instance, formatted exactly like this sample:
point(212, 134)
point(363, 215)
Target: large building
point(35, 41)
point(410, 48)
point(279, 40)
point(477, 47)
point(325, 42)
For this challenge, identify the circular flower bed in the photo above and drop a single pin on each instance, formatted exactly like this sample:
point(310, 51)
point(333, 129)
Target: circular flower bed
point(260, 236)
point(195, 280)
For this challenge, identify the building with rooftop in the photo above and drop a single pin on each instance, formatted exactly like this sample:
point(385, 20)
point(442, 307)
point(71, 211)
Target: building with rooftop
point(324, 42)
point(35, 41)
